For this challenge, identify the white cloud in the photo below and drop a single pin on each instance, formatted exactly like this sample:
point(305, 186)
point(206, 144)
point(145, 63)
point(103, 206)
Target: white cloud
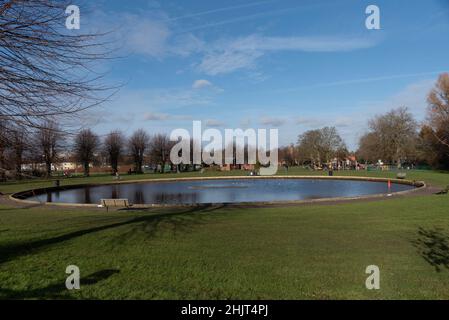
point(309, 122)
point(343, 122)
point(177, 98)
point(161, 104)
point(153, 34)
point(149, 116)
point(272, 121)
point(242, 53)
point(200, 84)
point(228, 61)
point(359, 81)
point(214, 123)
point(414, 97)
point(148, 33)
point(146, 36)
point(308, 44)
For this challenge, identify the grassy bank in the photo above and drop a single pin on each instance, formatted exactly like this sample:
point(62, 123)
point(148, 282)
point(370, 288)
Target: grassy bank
point(303, 252)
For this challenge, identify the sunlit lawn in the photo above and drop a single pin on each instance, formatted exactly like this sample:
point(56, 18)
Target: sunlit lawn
point(302, 252)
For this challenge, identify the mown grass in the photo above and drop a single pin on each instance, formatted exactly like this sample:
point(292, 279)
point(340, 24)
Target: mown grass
point(297, 252)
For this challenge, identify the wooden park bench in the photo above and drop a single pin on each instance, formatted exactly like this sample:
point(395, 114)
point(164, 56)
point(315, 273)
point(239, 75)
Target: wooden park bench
point(401, 175)
point(115, 203)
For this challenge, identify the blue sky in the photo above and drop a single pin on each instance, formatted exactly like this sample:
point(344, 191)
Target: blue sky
point(287, 64)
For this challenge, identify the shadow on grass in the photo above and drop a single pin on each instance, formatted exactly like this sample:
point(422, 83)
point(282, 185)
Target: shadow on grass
point(57, 290)
point(174, 223)
point(180, 220)
point(433, 246)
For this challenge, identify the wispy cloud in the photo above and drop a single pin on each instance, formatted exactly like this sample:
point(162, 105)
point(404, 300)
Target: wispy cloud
point(413, 96)
point(273, 121)
point(176, 98)
point(156, 116)
point(207, 12)
point(153, 34)
point(242, 53)
point(214, 123)
point(150, 116)
point(161, 104)
point(145, 36)
point(228, 61)
point(309, 122)
point(361, 81)
point(200, 84)
point(147, 33)
point(263, 14)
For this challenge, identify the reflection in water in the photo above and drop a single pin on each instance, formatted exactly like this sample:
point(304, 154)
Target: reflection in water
point(177, 198)
point(222, 191)
point(87, 198)
point(138, 196)
point(115, 194)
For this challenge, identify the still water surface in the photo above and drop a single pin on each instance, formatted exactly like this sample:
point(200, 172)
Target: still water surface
point(221, 191)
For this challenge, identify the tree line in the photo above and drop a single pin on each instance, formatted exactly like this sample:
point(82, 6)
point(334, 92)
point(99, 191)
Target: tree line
point(395, 138)
point(49, 146)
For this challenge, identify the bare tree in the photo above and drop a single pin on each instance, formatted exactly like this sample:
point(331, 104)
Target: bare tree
point(114, 147)
point(430, 150)
point(160, 146)
point(138, 144)
point(86, 144)
point(332, 144)
point(49, 138)
point(368, 148)
point(321, 145)
point(289, 155)
point(438, 110)
point(308, 146)
point(18, 149)
point(45, 69)
point(396, 135)
point(3, 148)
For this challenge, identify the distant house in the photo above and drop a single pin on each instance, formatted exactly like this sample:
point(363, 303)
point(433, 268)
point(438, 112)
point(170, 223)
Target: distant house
point(349, 163)
point(64, 166)
point(230, 167)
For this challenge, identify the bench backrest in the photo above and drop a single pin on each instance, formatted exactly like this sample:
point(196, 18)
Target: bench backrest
point(115, 202)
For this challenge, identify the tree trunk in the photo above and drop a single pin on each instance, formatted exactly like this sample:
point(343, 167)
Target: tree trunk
point(138, 168)
point(114, 166)
point(2, 165)
point(86, 169)
point(48, 163)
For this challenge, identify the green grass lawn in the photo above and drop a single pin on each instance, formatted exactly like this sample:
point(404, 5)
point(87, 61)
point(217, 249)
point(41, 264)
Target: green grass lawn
point(302, 252)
